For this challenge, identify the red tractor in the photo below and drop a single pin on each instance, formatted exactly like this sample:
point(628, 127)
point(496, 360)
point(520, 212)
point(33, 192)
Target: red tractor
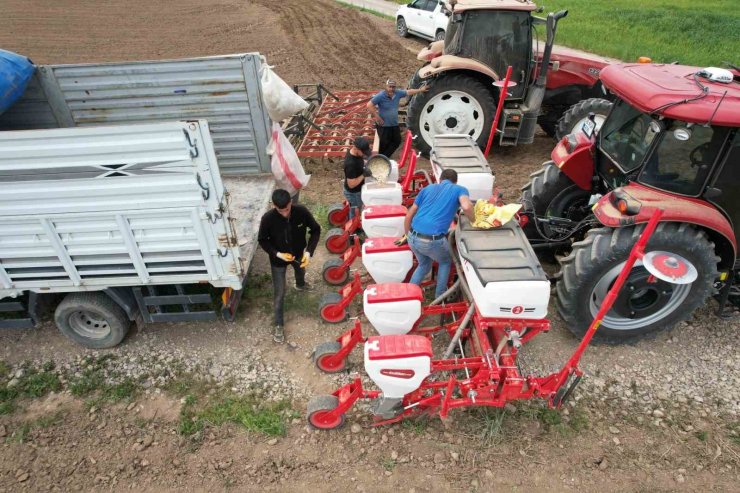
point(484, 37)
point(670, 142)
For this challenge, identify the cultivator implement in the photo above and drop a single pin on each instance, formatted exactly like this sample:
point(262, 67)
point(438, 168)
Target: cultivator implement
point(340, 118)
point(479, 366)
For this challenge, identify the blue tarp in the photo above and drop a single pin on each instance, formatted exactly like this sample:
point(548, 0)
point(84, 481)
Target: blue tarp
point(15, 72)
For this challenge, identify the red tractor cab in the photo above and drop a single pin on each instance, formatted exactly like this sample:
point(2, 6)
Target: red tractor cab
point(670, 142)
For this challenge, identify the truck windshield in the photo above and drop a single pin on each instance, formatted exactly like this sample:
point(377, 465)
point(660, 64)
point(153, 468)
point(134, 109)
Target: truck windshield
point(497, 39)
point(683, 158)
point(627, 135)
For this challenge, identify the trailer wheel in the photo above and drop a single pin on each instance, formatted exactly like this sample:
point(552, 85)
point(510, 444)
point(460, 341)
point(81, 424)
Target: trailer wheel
point(337, 215)
point(574, 116)
point(318, 413)
point(454, 104)
point(550, 193)
point(92, 320)
point(330, 309)
point(322, 357)
point(645, 305)
point(333, 272)
point(336, 240)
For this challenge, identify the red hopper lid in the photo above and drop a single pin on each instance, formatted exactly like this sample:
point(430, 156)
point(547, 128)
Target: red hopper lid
point(388, 292)
point(398, 346)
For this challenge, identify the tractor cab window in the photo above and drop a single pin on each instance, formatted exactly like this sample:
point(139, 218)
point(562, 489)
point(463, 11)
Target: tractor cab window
point(627, 135)
point(683, 159)
point(496, 39)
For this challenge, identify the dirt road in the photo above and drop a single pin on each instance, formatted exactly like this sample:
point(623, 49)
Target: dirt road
point(656, 416)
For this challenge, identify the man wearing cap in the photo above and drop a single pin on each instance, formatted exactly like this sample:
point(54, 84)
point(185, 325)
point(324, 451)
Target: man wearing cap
point(354, 173)
point(384, 107)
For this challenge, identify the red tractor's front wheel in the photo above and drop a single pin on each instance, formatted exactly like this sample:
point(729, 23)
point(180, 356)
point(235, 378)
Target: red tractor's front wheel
point(338, 214)
point(325, 357)
point(331, 310)
point(320, 415)
point(337, 241)
point(334, 273)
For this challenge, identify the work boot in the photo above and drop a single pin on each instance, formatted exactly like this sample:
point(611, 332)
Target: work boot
point(304, 287)
point(278, 334)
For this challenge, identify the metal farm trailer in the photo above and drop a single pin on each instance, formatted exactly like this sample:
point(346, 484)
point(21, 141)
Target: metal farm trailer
point(122, 214)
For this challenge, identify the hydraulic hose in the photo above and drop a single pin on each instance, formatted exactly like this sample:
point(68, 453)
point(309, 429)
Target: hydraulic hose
point(464, 285)
point(447, 293)
point(459, 331)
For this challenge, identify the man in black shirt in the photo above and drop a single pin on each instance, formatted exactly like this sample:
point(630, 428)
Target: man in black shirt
point(354, 173)
point(282, 235)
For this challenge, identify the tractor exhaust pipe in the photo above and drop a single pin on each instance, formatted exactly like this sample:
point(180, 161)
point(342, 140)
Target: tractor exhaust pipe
point(536, 95)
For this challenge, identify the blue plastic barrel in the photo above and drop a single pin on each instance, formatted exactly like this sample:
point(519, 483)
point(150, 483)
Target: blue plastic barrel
point(15, 72)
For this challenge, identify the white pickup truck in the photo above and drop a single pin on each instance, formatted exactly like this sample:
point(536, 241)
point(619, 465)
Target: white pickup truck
point(424, 18)
point(113, 207)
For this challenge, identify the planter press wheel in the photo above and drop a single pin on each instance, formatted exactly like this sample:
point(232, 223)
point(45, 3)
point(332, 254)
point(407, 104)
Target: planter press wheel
point(333, 272)
point(337, 215)
point(322, 357)
point(330, 309)
point(336, 241)
point(318, 415)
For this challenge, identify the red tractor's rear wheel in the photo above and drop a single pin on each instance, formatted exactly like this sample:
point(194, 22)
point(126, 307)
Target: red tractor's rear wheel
point(336, 241)
point(338, 215)
point(325, 360)
point(319, 413)
point(334, 273)
point(644, 305)
point(330, 309)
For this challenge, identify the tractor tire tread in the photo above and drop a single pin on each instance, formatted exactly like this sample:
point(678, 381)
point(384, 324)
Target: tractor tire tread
point(604, 247)
point(579, 111)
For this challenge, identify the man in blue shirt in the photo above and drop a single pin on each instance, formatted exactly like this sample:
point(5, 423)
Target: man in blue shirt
point(427, 223)
point(384, 107)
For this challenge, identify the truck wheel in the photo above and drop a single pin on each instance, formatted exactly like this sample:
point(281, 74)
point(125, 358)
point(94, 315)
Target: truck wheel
point(322, 357)
point(454, 104)
point(401, 27)
point(336, 241)
point(644, 305)
point(319, 418)
point(337, 215)
point(550, 193)
point(92, 320)
point(574, 117)
point(333, 272)
point(330, 309)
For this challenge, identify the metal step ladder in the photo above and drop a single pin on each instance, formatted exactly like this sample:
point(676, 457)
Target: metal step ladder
point(509, 127)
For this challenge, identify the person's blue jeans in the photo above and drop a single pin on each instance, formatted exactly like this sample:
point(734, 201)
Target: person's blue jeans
point(427, 252)
point(355, 202)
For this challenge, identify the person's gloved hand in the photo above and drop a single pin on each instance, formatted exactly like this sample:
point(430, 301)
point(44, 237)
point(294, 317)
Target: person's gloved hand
point(305, 260)
point(286, 257)
point(401, 241)
point(366, 172)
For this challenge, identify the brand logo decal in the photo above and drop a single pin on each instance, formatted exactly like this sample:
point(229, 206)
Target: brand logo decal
point(398, 373)
point(517, 310)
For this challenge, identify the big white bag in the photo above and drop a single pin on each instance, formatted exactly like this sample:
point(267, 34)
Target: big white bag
point(280, 100)
point(286, 165)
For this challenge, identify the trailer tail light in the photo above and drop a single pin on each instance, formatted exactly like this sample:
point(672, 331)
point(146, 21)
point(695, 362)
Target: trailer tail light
point(624, 203)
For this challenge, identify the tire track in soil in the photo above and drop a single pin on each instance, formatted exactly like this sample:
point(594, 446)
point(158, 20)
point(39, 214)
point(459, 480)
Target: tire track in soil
point(340, 47)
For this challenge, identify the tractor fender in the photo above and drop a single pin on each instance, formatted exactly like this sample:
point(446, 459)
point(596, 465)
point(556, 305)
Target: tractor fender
point(434, 50)
point(578, 164)
point(675, 209)
point(445, 63)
